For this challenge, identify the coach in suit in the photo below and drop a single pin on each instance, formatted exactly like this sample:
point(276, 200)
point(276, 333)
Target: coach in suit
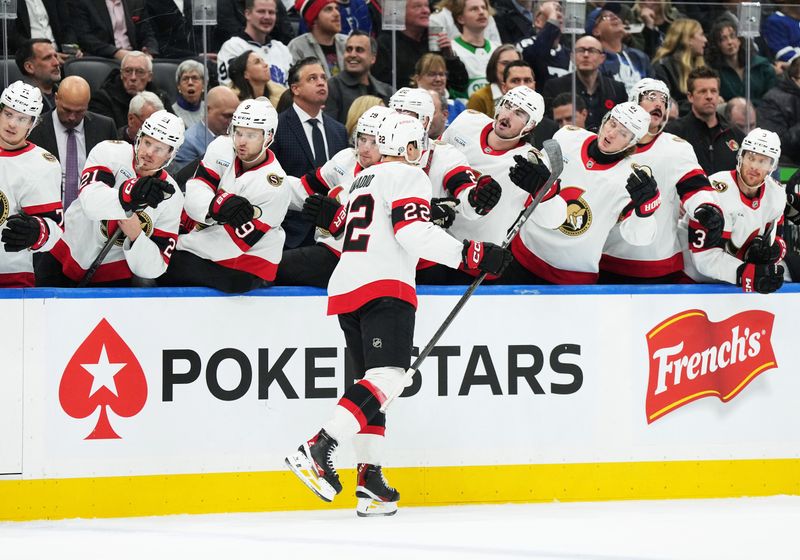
point(306, 137)
point(70, 132)
point(94, 23)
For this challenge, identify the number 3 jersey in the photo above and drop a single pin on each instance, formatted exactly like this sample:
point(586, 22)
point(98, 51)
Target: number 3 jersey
point(388, 230)
point(30, 182)
point(92, 218)
point(257, 246)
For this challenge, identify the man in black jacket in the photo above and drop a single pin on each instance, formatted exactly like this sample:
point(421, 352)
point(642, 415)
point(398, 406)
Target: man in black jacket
point(780, 112)
point(94, 23)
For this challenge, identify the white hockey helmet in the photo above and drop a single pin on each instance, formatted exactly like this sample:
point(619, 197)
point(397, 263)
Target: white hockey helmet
point(372, 118)
point(760, 141)
point(529, 101)
point(396, 132)
point(649, 84)
point(256, 113)
point(164, 127)
point(631, 116)
point(25, 98)
point(414, 100)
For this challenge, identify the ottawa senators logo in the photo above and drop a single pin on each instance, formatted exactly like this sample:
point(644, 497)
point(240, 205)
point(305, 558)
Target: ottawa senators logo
point(4, 208)
point(719, 186)
point(144, 220)
point(49, 157)
point(274, 179)
point(579, 215)
point(733, 145)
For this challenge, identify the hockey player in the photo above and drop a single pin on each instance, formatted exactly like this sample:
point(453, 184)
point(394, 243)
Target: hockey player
point(600, 185)
point(684, 187)
point(372, 290)
point(126, 187)
point(31, 215)
point(753, 205)
point(238, 198)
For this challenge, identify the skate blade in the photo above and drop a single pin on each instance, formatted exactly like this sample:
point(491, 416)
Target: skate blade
point(368, 507)
point(307, 475)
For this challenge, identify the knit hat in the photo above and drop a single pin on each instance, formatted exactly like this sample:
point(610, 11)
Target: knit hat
point(310, 9)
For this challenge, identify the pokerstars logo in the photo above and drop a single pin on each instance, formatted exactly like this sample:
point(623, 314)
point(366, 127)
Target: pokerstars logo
point(692, 357)
point(103, 372)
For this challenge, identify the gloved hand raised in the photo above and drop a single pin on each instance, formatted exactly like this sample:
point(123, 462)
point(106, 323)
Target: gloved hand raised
point(325, 212)
point(141, 192)
point(643, 190)
point(484, 195)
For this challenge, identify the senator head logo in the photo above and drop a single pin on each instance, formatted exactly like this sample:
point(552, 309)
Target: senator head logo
point(103, 372)
point(579, 214)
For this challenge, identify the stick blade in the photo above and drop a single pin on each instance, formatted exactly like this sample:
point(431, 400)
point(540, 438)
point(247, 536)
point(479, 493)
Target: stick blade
point(553, 150)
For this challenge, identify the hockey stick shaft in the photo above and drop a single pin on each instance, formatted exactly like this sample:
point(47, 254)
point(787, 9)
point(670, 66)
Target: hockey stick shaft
point(100, 258)
point(553, 150)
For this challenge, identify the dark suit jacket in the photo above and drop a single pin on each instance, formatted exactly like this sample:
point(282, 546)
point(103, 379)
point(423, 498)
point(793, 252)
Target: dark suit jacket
point(58, 16)
point(92, 24)
point(293, 152)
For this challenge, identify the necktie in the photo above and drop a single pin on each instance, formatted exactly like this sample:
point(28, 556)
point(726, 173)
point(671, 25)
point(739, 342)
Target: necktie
point(320, 157)
point(71, 173)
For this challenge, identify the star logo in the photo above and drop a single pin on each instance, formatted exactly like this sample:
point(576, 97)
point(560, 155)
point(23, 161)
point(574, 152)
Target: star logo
point(103, 373)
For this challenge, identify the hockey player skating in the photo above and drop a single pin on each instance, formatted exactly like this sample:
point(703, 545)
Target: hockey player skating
point(31, 214)
point(238, 198)
point(684, 188)
point(372, 290)
point(752, 203)
point(126, 187)
point(600, 185)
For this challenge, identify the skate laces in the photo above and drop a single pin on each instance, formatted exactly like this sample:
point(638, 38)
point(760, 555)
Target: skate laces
point(379, 470)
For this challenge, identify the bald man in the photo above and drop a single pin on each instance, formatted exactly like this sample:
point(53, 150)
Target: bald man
point(71, 131)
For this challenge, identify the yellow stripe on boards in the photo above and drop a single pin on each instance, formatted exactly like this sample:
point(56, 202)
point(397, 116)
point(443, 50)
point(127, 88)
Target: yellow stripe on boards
point(22, 500)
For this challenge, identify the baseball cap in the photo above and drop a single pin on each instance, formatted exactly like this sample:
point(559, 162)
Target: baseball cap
point(591, 19)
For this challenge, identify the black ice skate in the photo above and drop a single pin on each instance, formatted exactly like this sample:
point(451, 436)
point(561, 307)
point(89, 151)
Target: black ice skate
point(375, 496)
point(313, 464)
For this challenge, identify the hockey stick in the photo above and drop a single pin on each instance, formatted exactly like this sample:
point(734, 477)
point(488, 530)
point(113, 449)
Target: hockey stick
point(100, 257)
point(553, 151)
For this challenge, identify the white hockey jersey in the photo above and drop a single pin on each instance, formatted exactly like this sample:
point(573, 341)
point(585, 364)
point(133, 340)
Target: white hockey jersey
point(28, 183)
point(596, 196)
point(683, 186)
point(475, 60)
point(275, 53)
point(744, 219)
point(257, 246)
point(388, 230)
point(91, 218)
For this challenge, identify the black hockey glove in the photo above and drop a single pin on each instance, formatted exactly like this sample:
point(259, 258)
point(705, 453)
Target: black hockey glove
point(24, 232)
point(231, 209)
point(792, 212)
point(643, 190)
point(484, 195)
point(761, 278)
point(135, 194)
point(761, 252)
point(443, 211)
point(486, 257)
point(531, 174)
point(712, 222)
point(325, 212)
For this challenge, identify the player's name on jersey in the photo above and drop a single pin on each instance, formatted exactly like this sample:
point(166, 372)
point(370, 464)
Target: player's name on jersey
point(362, 182)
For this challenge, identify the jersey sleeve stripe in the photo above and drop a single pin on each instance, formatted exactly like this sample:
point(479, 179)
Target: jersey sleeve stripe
point(458, 179)
point(691, 183)
point(256, 266)
point(247, 241)
point(97, 174)
point(313, 182)
point(40, 209)
point(406, 211)
point(208, 176)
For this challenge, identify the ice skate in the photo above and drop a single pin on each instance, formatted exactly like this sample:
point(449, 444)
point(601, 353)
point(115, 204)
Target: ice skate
point(313, 464)
point(375, 496)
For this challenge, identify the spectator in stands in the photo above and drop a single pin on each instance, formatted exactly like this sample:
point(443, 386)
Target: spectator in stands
point(38, 61)
point(681, 52)
point(325, 42)
point(430, 73)
point(599, 92)
point(261, 20)
point(48, 19)
point(142, 105)
point(250, 78)
point(655, 16)
point(714, 141)
point(486, 98)
point(623, 64)
point(222, 103)
point(231, 20)
point(739, 114)
point(71, 131)
point(412, 44)
point(517, 73)
point(443, 17)
point(356, 78)
point(544, 51)
point(727, 54)
point(359, 106)
point(780, 112)
point(306, 137)
point(562, 110)
point(134, 76)
point(189, 79)
point(173, 28)
point(107, 29)
point(472, 46)
point(514, 19)
point(354, 14)
point(781, 30)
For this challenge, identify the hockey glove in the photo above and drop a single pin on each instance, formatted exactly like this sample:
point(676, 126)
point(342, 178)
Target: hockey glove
point(231, 209)
point(25, 232)
point(135, 194)
point(792, 212)
point(486, 257)
point(712, 222)
point(761, 252)
point(643, 190)
point(484, 195)
point(443, 211)
point(325, 212)
point(531, 174)
point(761, 278)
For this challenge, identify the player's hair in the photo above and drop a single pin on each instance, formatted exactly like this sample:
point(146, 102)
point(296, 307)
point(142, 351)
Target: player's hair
point(701, 73)
point(515, 64)
point(565, 98)
point(25, 53)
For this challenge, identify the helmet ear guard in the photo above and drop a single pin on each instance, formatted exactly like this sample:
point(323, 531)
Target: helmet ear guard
point(164, 127)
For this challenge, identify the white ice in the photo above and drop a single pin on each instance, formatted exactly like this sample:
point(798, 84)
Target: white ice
point(729, 529)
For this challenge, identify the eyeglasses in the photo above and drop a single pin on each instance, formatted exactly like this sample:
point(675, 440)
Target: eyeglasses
point(587, 50)
point(435, 74)
point(190, 78)
point(130, 71)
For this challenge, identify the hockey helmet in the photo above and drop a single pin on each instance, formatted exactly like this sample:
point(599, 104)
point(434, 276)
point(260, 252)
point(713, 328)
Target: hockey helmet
point(649, 84)
point(25, 98)
point(529, 101)
point(372, 118)
point(414, 100)
point(164, 127)
point(256, 113)
point(760, 141)
point(632, 117)
point(396, 132)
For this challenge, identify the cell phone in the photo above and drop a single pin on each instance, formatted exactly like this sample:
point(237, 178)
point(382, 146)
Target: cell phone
point(634, 28)
point(70, 49)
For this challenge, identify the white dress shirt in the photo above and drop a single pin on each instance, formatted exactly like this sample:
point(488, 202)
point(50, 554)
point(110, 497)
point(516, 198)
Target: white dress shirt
point(40, 21)
point(61, 142)
point(307, 128)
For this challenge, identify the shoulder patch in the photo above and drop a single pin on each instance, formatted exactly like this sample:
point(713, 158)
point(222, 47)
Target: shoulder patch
point(719, 186)
point(274, 179)
point(49, 157)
